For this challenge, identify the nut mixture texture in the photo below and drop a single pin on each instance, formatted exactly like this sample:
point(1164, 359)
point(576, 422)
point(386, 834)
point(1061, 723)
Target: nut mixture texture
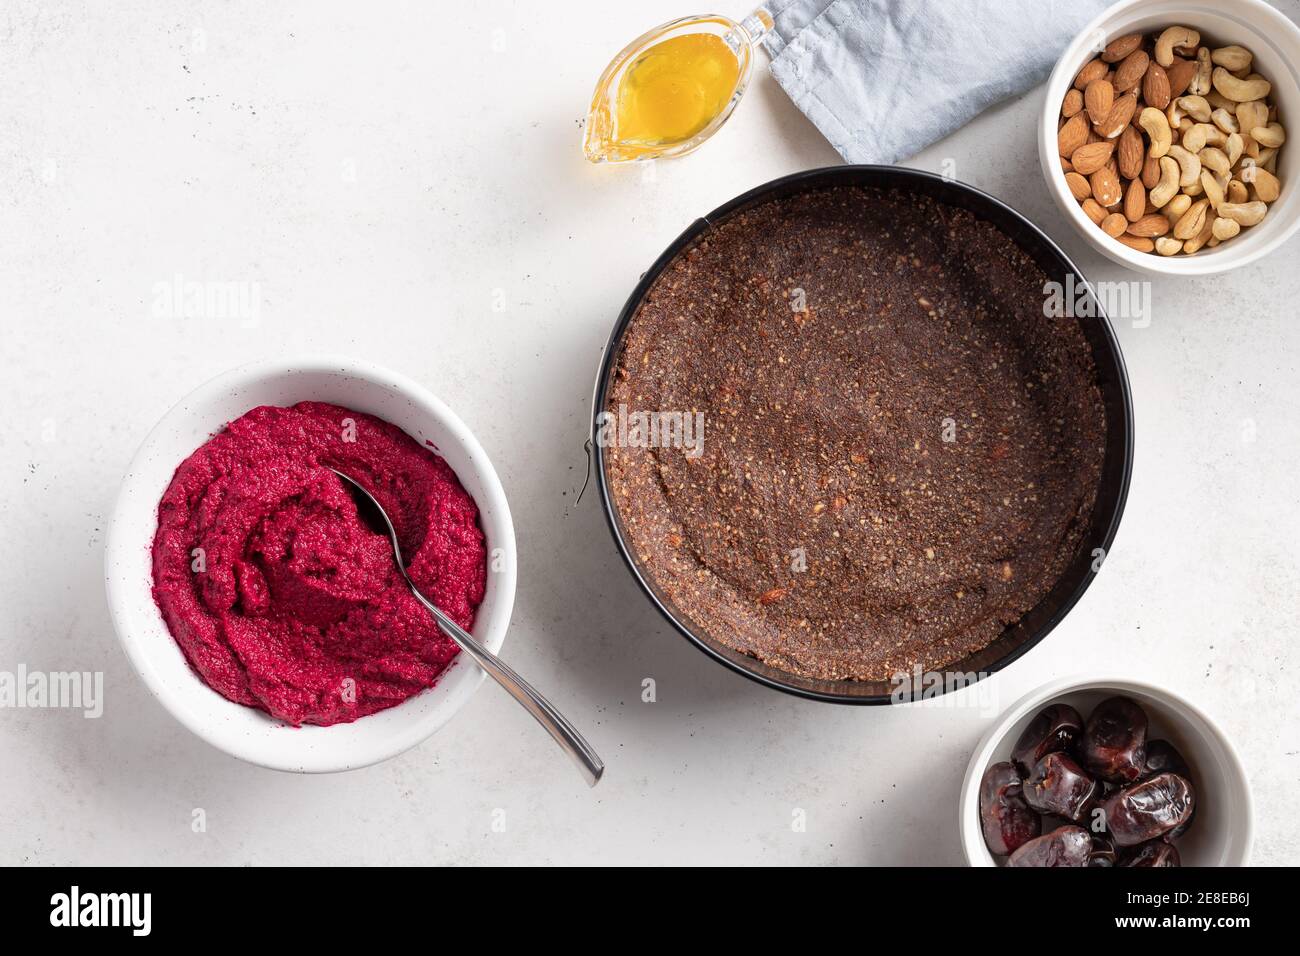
point(1170, 145)
point(890, 477)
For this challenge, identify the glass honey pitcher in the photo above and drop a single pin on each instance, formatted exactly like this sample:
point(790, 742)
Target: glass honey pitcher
point(672, 88)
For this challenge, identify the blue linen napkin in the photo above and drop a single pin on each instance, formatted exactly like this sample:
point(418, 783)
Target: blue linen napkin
point(883, 79)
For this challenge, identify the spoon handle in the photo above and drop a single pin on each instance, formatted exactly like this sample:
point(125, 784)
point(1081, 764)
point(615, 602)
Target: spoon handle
point(556, 724)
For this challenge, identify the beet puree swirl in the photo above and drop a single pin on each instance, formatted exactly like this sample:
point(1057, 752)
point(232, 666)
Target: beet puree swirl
point(281, 597)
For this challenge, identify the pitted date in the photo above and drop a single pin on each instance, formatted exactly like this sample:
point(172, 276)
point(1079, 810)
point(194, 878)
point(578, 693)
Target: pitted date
point(1066, 846)
point(1149, 809)
point(1114, 740)
point(1059, 785)
point(1103, 851)
point(1163, 757)
point(1056, 729)
point(1093, 793)
point(1005, 817)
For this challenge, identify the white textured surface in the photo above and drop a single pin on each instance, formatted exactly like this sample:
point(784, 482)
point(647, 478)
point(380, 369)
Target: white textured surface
point(390, 180)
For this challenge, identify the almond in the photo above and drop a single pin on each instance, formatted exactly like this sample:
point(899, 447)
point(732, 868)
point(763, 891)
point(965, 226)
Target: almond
point(1093, 211)
point(1105, 187)
point(1150, 171)
point(1135, 201)
point(1180, 76)
point(1098, 98)
point(1089, 158)
point(1130, 72)
point(1140, 243)
point(1156, 224)
point(1072, 135)
point(1072, 103)
point(1114, 224)
point(1121, 47)
point(1131, 151)
point(1118, 117)
point(1079, 187)
point(1155, 87)
point(1093, 70)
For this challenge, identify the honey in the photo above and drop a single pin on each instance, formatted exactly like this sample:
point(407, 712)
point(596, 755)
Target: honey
point(675, 89)
point(671, 89)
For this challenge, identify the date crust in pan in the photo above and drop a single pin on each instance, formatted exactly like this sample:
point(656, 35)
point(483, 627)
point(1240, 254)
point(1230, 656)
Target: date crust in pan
point(901, 451)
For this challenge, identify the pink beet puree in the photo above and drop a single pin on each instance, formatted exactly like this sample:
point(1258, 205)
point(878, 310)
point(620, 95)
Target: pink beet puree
point(293, 605)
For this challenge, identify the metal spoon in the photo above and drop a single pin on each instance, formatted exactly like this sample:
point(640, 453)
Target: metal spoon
point(564, 733)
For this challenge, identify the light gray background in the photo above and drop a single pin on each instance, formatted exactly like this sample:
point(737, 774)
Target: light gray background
point(387, 174)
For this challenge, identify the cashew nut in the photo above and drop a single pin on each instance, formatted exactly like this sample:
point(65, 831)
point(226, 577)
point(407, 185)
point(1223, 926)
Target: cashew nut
point(1194, 139)
point(1214, 158)
point(1157, 128)
point(1164, 190)
point(1225, 121)
point(1267, 188)
point(1272, 135)
point(1225, 228)
point(1236, 191)
point(1219, 102)
point(1244, 213)
point(1234, 146)
point(1241, 91)
point(1197, 107)
point(1168, 247)
point(1172, 37)
point(1251, 114)
point(1206, 235)
point(1192, 221)
point(1213, 191)
point(1175, 208)
point(1201, 79)
point(1188, 163)
point(1232, 58)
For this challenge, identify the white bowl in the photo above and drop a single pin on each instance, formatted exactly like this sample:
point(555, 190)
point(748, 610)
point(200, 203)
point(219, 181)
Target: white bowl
point(1274, 40)
point(246, 732)
point(1222, 832)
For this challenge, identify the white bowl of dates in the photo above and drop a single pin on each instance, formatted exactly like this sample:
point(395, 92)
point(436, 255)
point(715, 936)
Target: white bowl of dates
point(1105, 772)
point(1163, 134)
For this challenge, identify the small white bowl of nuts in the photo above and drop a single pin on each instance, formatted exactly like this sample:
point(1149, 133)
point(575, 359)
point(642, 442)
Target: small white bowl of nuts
point(1163, 136)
